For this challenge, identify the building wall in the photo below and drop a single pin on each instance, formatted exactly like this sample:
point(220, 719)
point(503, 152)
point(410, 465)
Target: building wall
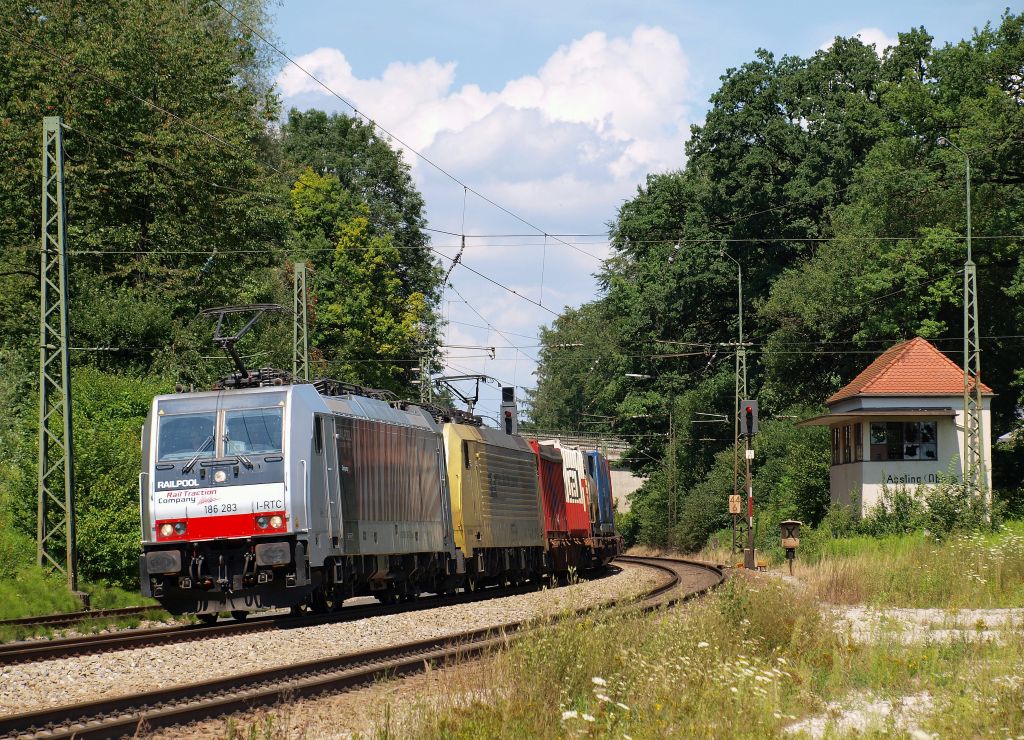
point(868, 477)
point(624, 482)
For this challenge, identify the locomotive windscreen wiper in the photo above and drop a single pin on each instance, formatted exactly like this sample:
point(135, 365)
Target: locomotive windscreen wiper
point(199, 453)
point(237, 455)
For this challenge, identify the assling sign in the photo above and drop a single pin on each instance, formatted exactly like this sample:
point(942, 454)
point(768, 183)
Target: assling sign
point(926, 478)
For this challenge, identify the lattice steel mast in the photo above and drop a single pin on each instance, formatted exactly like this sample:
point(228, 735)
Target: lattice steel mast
point(975, 474)
point(55, 530)
point(300, 324)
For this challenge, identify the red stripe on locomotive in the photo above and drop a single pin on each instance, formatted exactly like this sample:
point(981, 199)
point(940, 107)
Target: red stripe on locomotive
point(212, 527)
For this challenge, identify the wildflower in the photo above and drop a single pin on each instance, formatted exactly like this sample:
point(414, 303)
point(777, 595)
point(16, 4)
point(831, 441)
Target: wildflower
point(570, 714)
point(603, 697)
point(588, 717)
point(734, 690)
point(703, 644)
point(598, 681)
point(781, 660)
point(622, 706)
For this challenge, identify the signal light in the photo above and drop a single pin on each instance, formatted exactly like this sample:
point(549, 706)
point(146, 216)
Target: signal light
point(262, 522)
point(748, 419)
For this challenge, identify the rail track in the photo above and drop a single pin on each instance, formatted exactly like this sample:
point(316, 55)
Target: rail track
point(69, 618)
point(127, 715)
point(28, 651)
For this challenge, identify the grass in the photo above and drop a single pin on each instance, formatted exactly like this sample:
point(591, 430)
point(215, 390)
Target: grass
point(749, 661)
point(32, 592)
point(760, 655)
point(964, 571)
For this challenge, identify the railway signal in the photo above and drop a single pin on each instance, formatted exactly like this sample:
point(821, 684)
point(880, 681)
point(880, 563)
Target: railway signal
point(509, 413)
point(748, 418)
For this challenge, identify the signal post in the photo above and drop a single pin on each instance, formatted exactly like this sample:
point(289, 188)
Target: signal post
point(748, 428)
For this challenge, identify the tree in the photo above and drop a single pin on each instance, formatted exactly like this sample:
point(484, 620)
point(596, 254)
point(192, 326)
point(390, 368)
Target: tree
point(173, 205)
point(821, 176)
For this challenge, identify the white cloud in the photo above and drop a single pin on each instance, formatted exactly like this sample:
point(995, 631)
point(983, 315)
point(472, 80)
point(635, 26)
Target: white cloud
point(562, 147)
point(628, 91)
point(875, 36)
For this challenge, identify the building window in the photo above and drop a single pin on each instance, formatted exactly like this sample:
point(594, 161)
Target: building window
point(904, 440)
point(858, 442)
point(835, 445)
point(847, 448)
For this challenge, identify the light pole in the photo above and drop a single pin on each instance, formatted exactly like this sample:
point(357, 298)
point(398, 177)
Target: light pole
point(974, 474)
point(741, 379)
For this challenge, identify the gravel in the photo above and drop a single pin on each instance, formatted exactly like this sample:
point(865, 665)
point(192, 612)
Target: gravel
point(867, 624)
point(70, 680)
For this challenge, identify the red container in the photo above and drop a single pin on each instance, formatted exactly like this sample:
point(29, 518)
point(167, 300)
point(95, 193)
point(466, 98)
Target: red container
point(549, 464)
point(574, 476)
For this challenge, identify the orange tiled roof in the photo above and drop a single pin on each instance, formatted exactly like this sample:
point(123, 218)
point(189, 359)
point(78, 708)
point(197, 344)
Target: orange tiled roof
point(912, 368)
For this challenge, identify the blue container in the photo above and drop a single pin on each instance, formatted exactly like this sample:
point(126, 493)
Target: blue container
point(597, 466)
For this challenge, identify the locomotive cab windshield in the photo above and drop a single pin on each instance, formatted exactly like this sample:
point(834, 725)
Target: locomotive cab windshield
point(250, 431)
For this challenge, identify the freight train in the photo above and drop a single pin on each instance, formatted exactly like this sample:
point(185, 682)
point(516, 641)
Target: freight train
point(304, 495)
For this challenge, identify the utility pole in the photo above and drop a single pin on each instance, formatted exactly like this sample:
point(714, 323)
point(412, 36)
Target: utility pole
point(974, 473)
point(426, 361)
point(672, 469)
point(56, 489)
point(300, 324)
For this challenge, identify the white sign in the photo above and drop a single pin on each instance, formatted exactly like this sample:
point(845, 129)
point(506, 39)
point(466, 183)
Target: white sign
point(750, 454)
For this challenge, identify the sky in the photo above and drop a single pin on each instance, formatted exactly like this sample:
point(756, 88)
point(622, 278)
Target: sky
point(521, 120)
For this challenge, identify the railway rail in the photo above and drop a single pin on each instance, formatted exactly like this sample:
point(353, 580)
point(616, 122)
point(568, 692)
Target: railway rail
point(28, 651)
point(70, 618)
point(126, 715)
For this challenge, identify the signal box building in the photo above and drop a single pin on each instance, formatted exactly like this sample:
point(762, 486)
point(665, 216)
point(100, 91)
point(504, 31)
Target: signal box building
point(900, 422)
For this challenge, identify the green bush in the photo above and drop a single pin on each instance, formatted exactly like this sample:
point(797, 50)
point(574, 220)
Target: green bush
point(897, 511)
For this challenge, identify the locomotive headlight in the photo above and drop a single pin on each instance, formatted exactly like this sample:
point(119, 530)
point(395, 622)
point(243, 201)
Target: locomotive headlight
point(276, 522)
point(179, 527)
point(220, 476)
point(166, 530)
point(262, 522)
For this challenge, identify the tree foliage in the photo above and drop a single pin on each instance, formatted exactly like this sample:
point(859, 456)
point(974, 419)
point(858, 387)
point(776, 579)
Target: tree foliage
point(821, 176)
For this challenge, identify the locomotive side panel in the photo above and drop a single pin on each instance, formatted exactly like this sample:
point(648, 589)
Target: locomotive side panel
point(496, 501)
point(597, 466)
point(574, 473)
point(549, 466)
point(390, 480)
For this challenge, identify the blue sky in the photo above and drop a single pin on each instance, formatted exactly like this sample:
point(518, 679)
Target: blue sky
point(556, 111)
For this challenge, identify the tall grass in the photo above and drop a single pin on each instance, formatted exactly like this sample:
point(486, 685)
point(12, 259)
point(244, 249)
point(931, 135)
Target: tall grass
point(747, 662)
point(966, 570)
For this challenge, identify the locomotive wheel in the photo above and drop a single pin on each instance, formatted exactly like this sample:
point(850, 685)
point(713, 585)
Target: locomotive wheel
point(239, 616)
point(207, 619)
point(321, 603)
